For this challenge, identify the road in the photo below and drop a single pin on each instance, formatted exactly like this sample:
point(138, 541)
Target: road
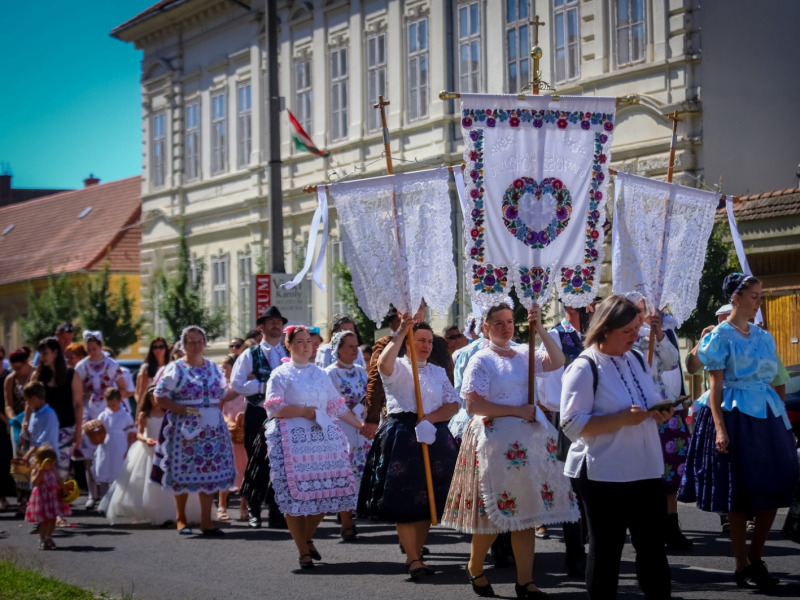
point(144, 563)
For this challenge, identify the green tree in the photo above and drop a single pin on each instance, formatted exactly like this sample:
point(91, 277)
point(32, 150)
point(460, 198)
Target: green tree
point(112, 314)
point(54, 305)
point(344, 288)
point(181, 302)
point(718, 263)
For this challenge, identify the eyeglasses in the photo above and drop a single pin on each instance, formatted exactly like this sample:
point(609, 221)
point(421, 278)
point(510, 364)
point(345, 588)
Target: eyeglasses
point(159, 347)
point(235, 346)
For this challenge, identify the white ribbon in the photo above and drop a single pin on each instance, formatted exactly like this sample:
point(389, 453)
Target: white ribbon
point(737, 243)
point(95, 334)
point(321, 214)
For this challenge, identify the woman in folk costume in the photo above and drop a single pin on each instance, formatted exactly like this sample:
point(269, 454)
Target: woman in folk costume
point(97, 372)
point(350, 379)
point(742, 456)
point(394, 486)
point(517, 484)
point(674, 433)
point(301, 405)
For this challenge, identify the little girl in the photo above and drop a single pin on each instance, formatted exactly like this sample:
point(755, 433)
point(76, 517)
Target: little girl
point(43, 506)
point(233, 413)
point(133, 497)
point(120, 434)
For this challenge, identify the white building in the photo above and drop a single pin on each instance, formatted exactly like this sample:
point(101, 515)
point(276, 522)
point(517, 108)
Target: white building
point(204, 122)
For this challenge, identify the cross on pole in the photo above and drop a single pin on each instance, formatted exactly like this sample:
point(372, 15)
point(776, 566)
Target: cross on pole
point(381, 106)
point(673, 144)
point(537, 23)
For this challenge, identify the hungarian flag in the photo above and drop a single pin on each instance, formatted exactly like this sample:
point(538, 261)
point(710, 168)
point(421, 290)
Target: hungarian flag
point(302, 141)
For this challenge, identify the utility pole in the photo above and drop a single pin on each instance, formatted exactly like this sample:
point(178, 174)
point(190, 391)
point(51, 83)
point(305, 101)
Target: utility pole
point(274, 147)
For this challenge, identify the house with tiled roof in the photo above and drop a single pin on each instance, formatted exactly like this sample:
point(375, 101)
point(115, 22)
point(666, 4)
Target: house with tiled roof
point(75, 232)
point(769, 224)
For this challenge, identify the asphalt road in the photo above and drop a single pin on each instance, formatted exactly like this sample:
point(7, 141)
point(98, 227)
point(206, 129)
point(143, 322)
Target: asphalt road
point(145, 563)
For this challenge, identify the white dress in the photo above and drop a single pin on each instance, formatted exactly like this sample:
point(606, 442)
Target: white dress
point(111, 453)
point(518, 482)
point(134, 498)
point(309, 460)
point(96, 377)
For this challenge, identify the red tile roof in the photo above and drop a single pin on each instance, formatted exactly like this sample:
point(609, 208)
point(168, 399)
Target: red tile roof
point(767, 205)
point(47, 234)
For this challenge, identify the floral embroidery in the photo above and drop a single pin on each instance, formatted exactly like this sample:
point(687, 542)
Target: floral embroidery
point(481, 508)
point(534, 281)
point(517, 456)
point(527, 187)
point(552, 448)
point(547, 496)
point(489, 279)
point(507, 504)
point(577, 280)
point(488, 424)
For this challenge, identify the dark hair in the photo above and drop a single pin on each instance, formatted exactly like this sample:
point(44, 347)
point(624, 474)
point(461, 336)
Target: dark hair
point(146, 406)
point(253, 334)
point(495, 309)
point(422, 325)
point(95, 339)
point(59, 368)
point(736, 283)
point(612, 313)
point(229, 359)
point(20, 355)
point(34, 388)
point(450, 328)
point(151, 361)
point(365, 348)
point(337, 323)
point(112, 394)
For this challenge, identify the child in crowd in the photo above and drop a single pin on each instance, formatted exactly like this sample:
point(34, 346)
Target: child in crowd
point(44, 506)
point(43, 424)
point(233, 413)
point(120, 434)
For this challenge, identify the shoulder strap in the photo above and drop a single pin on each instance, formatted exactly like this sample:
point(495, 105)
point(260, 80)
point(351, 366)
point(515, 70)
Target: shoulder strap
point(639, 357)
point(593, 366)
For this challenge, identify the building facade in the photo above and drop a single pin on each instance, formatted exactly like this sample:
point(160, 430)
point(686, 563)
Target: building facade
point(204, 125)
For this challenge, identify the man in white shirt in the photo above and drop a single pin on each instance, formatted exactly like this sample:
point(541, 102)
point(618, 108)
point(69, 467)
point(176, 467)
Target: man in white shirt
point(249, 377)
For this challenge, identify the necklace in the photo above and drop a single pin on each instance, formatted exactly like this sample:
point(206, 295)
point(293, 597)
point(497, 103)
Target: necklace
point(744, 332)
point(625, 383)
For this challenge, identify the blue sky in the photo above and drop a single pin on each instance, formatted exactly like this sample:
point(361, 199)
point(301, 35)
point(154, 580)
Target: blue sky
point(70, 100)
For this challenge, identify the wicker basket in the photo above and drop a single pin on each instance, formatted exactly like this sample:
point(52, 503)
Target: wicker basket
point(237, 434)
point(69, 492)
point(20, 470)
point(95, 431)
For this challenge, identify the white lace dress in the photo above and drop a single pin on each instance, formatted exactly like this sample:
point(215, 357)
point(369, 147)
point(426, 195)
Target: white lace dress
point(96, 377)
point(507, 477)
point(309, 460)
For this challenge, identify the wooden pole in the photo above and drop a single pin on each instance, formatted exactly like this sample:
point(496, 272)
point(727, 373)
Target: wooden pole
point(412, 358)
point(670, 168)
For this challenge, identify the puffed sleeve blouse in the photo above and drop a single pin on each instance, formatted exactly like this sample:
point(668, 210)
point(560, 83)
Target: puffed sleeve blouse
point(435, 388)
point(749, 365)
point(305, 385)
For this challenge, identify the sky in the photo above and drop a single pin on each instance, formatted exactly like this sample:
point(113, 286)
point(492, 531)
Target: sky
point(70, 98)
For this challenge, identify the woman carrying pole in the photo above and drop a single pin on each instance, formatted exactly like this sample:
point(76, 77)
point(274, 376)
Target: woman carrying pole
point(394, 487)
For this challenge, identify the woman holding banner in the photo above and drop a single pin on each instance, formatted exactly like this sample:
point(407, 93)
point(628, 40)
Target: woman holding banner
point(394, 486)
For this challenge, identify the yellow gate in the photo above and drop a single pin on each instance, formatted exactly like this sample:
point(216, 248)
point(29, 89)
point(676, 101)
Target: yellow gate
point(782, 314)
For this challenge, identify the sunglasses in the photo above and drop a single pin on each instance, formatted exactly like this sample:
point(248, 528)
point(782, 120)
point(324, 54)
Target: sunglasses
point(159, 347)
point(235, 346)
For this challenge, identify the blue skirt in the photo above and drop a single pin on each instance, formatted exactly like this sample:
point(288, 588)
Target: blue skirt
point(759, 471)
point(393, 488)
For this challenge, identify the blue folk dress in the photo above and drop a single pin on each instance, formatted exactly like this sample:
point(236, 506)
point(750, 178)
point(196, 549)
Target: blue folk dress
point(760, 469)
point(194, 452)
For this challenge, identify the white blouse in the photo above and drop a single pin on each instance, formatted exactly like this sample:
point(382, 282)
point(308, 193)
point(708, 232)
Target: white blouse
point(627, 454)
point(500, 379)
point(435, 388)
point(307, 385)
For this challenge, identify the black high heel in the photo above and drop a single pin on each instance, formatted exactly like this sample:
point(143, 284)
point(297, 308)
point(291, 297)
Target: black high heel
point(305, 564)
point(485, 591)
point(523, 593)
point(312, 551)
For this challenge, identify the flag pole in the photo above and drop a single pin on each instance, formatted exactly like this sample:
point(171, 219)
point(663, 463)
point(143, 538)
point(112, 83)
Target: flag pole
point(670, 169)
point(381, 105)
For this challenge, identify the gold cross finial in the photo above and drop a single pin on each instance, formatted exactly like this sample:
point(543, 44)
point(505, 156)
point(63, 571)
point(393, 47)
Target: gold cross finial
point(537, 23)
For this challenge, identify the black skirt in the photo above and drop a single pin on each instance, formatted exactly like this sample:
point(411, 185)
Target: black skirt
point(393, 488)
point(256, 487)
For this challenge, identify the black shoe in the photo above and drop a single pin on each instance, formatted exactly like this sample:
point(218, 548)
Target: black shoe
point(523, 593)
point(485, 591)
point(312, 551)
point(541, 533)
point(305, 564)
point(674, 538)
point(577, 569)
point(761, 576)
point(254, 520)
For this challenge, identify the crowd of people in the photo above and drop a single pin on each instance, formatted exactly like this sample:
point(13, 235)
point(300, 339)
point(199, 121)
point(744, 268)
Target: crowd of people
point(606, 443)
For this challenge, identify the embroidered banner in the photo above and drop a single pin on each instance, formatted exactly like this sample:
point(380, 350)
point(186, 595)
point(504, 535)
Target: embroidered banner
point(647, 214)
point(398, 257)
point(536, 178)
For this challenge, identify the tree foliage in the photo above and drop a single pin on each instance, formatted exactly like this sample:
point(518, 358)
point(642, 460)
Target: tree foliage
point(718, 263)
point(182, 302)
point(344, 288)
point(111, 313)
point(54, 305)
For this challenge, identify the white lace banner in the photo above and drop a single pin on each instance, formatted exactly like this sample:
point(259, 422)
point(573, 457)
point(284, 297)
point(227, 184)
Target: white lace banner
point(536, 178)
point(398, 260)
point(665, 274)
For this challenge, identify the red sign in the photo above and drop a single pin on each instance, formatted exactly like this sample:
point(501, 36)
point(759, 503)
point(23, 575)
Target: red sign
point(263, 293)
